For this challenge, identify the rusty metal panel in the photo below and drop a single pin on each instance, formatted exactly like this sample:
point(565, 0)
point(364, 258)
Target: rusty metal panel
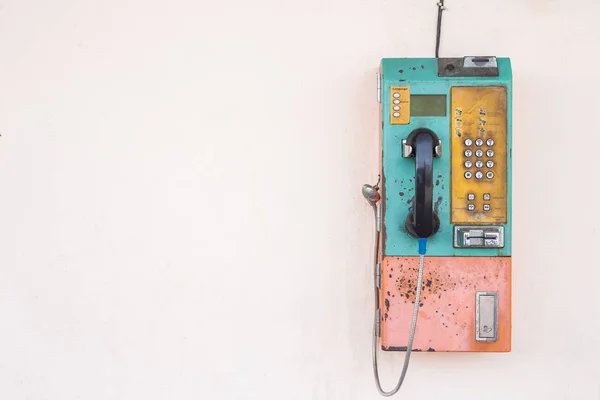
point(447, 314)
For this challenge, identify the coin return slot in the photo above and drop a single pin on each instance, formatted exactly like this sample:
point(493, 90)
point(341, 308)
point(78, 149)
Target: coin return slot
point(479, 236)
point(486, 316)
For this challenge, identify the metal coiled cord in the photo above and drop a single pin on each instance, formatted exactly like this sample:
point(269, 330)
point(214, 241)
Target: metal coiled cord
point(376, 318)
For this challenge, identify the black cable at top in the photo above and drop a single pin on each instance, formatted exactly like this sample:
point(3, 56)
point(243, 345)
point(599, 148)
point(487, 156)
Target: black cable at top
point(441, 9)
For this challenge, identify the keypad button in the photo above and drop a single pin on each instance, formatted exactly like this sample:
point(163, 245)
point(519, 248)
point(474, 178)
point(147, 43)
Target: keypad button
point(396, 95)
point(489, 174)
point(468, 142)
point(479, 163)
point(478, 175)
point(486, 207)
point(468, 174)
point(490, 153)
point(479, 142)
point(396, 108)
point(468, 164)
point(490, 142)
point(489, 163)
point(396, 101)
point(470, 197)
point(471, 207)
point(468, 153)
point(479, 153)
point(396, 114)
point(486, 196)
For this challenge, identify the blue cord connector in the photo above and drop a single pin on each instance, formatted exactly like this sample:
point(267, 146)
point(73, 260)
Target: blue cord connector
point(422, 245)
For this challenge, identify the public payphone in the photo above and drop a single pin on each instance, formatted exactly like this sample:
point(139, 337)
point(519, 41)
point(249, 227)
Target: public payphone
point(442, 207)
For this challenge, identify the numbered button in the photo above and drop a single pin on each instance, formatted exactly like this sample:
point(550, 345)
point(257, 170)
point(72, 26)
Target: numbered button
point(468, 174)
point(489, 164)
point(396, 114)
point(396, 95)
point(490, 153)
point(490, 142)
point(396, 101)
point(479, 153)
point(486, 196)
point(471, 207)
point(478, 175)
point(479, 163)
point(396, 108)
point(468, 142)
point(470, 197)
point(489, 174)
point(479, 142)
point(486, 207)
point(468, 153)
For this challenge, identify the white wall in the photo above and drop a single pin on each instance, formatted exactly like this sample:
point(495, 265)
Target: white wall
point(180, 208)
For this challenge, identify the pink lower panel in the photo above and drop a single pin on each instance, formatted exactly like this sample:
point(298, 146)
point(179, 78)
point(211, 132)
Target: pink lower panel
point(447, 306)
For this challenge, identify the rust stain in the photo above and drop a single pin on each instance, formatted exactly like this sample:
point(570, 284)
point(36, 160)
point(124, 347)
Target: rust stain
point(433, 283)
point(436, 207)
point(411, 203)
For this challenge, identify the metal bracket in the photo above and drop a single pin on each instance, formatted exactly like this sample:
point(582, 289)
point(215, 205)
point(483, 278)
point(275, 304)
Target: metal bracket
point(378, 276)
point(378, 323)
point(408, 150)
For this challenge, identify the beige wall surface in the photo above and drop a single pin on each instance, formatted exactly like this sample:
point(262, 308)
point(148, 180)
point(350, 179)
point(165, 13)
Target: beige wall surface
point(180, 207)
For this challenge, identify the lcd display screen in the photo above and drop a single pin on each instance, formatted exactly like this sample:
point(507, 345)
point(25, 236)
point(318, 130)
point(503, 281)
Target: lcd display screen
point(428, 105)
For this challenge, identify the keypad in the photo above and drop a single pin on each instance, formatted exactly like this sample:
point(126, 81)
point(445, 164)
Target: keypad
point(480, 173)
point(478, 135)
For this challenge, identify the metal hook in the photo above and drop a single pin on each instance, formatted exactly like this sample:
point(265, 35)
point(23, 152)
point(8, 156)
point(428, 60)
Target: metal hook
point(371, 192)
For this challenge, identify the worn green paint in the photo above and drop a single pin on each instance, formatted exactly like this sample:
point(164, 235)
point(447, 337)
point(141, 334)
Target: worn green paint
point(398, 173)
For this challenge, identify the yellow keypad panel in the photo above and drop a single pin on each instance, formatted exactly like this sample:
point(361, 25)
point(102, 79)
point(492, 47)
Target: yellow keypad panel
point(479, 143)
point(399, 105)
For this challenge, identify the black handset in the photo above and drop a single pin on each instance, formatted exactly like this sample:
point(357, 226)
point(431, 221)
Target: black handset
point(423, 222)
